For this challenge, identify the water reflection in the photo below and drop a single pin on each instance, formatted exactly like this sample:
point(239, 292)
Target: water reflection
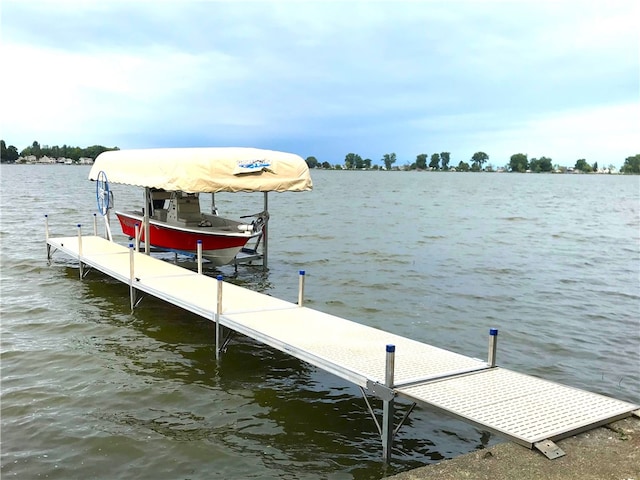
point(254, 397)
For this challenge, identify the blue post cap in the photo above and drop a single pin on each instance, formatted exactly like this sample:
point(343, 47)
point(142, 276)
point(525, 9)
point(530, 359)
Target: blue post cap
point(199, 241)
point(95, 214)
point(391, 348)
point(493, 331)
point(131, 245)
point(45, 215)
point(301, 272)
point(79, 225)
point(219, 278)
point(137, 224)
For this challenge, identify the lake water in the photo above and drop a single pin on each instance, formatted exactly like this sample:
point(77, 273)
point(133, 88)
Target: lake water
point(90, 390)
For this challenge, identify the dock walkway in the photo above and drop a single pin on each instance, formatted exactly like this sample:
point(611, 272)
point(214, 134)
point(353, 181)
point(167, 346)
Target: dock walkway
point(528, 410)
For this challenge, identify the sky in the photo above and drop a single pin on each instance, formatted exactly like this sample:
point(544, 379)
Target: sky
point(559, 79)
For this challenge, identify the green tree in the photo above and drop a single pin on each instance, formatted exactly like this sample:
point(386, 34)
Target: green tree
point(478, 159)
point(92, 152)
point(583, 166)
point(546, 164)
point(595, 166)
point(421, 161)
point(389, 159)
point(312, 162)
point(519, 163)
point(8, 154)
point(35, 149)
point(351, 160)
point(326, 165)
point(445, 158)
point(463, 166)
point(631, 165)
point(435, 161)
point(543, 164)
point(367, 163)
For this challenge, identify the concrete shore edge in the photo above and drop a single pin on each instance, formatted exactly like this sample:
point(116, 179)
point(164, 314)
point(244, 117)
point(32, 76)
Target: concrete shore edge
point(609, 452)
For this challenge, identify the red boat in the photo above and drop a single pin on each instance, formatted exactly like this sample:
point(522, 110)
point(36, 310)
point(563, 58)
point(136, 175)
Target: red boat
point(173, 180)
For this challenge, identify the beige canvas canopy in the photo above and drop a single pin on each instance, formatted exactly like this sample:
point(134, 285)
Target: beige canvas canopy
point(193, 170)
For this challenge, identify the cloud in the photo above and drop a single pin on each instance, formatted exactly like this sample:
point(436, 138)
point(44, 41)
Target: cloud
point(322, 78)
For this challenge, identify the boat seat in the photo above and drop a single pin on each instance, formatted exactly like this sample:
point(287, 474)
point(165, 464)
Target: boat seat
point(160, 214)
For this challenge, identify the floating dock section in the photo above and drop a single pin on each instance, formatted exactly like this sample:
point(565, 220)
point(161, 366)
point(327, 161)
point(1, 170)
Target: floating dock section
point(524, 409)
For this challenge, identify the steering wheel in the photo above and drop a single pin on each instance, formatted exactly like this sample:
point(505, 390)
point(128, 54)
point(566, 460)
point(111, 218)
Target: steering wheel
point(103, 195)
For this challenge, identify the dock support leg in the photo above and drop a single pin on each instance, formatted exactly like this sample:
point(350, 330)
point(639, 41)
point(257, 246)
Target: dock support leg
point(132, 290)
point(199, 250)
point(388, 406)
point(218, 326)
point(493, 345)
point(95, 224)
point(80, 251)
point(46, 237)
point(301, 288)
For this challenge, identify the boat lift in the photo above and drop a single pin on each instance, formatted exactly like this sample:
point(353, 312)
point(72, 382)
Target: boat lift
point(196, 171)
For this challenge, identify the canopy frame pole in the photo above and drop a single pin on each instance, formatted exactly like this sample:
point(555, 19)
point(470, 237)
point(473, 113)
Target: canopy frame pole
point(147, 203)
point(107, 226)
point(214, 209)
point(265, 233)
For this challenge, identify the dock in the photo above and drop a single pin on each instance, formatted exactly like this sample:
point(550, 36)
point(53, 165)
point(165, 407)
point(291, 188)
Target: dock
point(526, 410)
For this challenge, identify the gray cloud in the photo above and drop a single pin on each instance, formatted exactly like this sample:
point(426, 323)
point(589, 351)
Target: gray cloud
point(321, 79)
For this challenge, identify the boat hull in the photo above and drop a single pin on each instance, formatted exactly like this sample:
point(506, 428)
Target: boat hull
point(219, 247)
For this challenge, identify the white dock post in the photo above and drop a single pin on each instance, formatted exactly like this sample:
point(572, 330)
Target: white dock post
point(301, 288)
point(199, 249)
point(493, 345)
point(95, 224)
point(218, 313)
point(132, 290)
point(388, 405)
point(80, 251)
point(136, 234)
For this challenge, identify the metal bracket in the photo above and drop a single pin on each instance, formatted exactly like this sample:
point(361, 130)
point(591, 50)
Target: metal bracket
point(549, 449)
point(86, 270)
point(227, 341)
point(139, 300)
point(383, 392)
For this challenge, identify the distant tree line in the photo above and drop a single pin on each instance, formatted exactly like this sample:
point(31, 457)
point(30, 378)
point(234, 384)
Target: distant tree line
point(10, 154)
point(518, 162)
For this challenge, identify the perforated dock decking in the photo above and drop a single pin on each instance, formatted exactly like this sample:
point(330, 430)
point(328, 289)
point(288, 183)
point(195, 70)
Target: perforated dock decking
point(525, 409)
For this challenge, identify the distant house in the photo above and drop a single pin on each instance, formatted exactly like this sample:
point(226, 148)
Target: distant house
point(27, 159)
point(85, 161)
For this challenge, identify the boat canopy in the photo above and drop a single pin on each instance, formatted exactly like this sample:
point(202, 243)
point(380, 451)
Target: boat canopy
point(200, 170)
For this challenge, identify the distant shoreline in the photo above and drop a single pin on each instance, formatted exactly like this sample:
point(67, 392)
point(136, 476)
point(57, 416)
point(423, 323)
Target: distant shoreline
point(562, 171)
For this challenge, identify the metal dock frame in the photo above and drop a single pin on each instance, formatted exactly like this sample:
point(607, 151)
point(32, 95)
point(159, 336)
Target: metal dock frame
point(528, 410)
